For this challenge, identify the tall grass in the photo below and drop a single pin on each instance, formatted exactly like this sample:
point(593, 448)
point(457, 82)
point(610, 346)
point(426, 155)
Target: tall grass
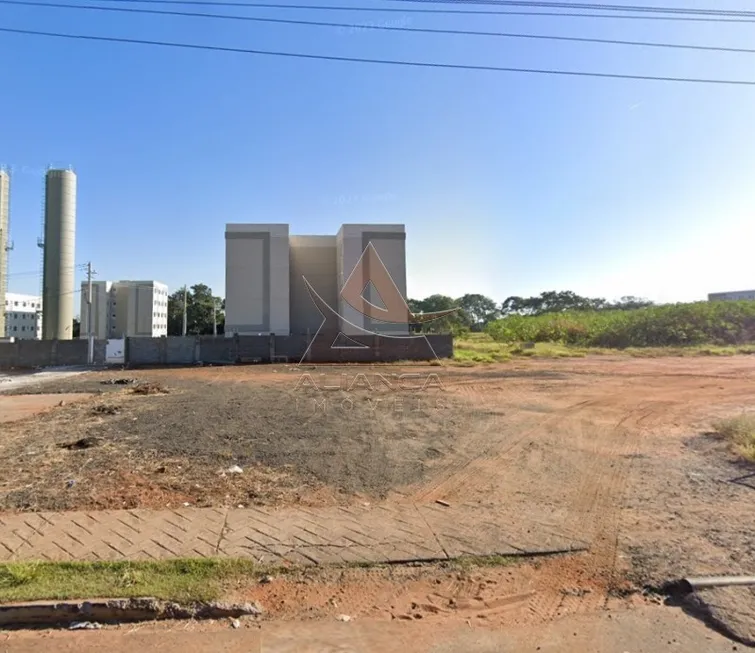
point(740, 432)
point(720, 323)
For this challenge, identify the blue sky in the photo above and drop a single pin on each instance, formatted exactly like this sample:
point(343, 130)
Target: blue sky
point(509, 184)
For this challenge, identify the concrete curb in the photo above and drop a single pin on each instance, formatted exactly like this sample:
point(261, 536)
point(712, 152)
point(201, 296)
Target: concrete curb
point(116, 611)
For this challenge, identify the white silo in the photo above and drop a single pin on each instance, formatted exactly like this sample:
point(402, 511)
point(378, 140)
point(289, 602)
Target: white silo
point(59, 255)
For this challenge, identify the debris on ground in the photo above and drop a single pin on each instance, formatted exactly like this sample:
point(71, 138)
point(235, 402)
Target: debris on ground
point(343, 617)
point(575, 591)
point(82, 443)
point(70, 483)
point(123, 381)
point(61, 404)
point(266, 579)
point(84, 625)
point(234, 470)
point(443, 503)
point(104, 409)
point(235, 623)
point(150, 389)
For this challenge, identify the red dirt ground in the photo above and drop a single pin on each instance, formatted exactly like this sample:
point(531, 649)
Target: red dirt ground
point(616, 451)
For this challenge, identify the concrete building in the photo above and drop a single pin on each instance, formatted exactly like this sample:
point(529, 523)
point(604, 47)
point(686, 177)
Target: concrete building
point(4, 243)
point(266, 270)
point(125, 309)
point(59, 254)
point(102, 306)
point(389, 241)
point(733, 296)
point(257, 279)
point(23, 316)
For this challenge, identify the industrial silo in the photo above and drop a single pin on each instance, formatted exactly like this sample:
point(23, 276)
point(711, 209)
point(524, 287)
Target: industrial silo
point(4, 221)
point(59, 255)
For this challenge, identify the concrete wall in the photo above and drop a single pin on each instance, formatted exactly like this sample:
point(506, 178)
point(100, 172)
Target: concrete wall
point(313, 258)
point(257, 279)
point(219, 350)
point(42, 353)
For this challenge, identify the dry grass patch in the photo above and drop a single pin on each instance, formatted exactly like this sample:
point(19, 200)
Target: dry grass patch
point(740, 432)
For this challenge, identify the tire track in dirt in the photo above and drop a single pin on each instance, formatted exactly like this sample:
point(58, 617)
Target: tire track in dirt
point(596, 511)
point(594, 507)
point(455, 478)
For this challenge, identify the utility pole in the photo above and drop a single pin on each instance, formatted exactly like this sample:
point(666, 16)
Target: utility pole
point(214, 316)
point(184, 329)
point(90, 334)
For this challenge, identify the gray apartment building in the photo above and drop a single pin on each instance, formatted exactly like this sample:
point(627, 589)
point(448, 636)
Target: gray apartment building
point(267, 270)
point(125, 309)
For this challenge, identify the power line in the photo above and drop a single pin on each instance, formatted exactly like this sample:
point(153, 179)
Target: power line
point(479, 12)
point(19, 274)
point(420, 30)
point(388, 62)
point(591, 7)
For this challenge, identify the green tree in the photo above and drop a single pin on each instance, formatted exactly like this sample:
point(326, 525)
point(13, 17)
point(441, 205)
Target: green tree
point(453, 323)
point(199, 311)
point(551, 302)
point(478, 310)
point(631, 303)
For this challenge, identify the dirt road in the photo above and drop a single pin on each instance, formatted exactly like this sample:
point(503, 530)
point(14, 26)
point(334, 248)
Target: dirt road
point(646, 630)
point(615, 451)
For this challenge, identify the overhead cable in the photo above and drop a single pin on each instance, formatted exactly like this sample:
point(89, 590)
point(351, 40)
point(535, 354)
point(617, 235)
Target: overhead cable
point(379, 27)
point(388, 62)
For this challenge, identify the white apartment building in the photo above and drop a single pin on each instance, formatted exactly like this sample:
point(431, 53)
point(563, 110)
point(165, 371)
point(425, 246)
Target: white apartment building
point(125, 309)
point(23, 316)
point(733, 296)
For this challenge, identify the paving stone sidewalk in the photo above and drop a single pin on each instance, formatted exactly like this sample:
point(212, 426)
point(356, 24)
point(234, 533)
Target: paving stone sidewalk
point(301, 536)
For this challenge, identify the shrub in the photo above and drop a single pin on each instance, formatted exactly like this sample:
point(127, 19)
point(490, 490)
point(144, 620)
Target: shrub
point(721, 323)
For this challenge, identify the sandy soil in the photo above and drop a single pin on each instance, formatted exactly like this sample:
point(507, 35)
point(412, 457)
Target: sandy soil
point(616, 451)
point(648, 629)
point(13, 409)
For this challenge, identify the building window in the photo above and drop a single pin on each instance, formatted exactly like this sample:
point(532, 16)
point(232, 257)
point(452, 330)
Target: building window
point(15, 328)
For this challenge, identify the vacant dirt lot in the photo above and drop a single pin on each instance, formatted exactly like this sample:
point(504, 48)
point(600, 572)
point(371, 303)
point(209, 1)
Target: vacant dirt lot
point(615, 451)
